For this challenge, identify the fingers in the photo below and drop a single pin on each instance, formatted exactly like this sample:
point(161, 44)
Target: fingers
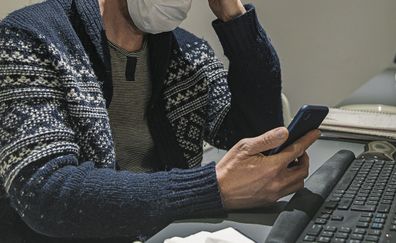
point(292, 189)
point(267, 141)
point(294, 179)
point(300, 170)
point(297, 149)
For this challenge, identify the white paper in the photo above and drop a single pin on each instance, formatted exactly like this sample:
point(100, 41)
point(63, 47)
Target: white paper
point(228, 235)
point(361, 122)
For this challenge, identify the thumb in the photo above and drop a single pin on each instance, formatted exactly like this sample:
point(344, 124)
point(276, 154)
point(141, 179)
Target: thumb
point(267, 141)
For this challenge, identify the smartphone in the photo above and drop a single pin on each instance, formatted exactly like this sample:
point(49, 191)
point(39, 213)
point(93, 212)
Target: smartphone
point(308, 118)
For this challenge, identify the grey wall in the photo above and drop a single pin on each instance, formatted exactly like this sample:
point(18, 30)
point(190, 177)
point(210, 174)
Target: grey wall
point(327, 48)
point(10, 5)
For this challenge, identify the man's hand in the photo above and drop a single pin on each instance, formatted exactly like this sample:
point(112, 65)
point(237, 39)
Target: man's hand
point(249, 179)
point(226, 10)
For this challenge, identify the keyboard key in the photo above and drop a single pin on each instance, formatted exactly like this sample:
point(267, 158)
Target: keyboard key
point(330, 228)
point(359, 231)
point(393, 228)
point(309, 238)
point(335, 199)
point(372, 203)
point(327, 234)
point(324, 216)
point(345, 230)
point(315, 230)
point(357, 237)
point(362, 225)
point(372, 238)
point(374, 232)
point(378, 220)
point(367, 215)
point(363, 208)
point(331, 205)
point(383, 208)
point(365, 219)
point(358, 203)
point(380, 215)
point(324, 239)
point(327, 211)
point(342, 235)
point(337, 218)
point(349, 195)
point(344, 204)
point(338, 240)
point(320, 221)
point(377, 226)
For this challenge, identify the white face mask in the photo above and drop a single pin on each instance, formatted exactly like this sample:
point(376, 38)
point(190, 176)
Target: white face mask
point(157, 16)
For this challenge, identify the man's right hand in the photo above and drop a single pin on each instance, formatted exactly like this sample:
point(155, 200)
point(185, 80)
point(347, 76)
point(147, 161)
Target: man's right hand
point(248, 179)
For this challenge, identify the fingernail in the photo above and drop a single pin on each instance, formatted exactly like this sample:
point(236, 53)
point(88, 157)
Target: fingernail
point(280, 133)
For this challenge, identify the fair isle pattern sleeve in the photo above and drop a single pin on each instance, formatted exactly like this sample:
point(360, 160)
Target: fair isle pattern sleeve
point(38, 100)
point(33, 123)
point(196, 94)
point(219, 103)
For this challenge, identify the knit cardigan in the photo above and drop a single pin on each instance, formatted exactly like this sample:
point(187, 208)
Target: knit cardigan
point(57, 159)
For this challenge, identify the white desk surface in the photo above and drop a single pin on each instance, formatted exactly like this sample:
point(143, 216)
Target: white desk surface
point(257, 223)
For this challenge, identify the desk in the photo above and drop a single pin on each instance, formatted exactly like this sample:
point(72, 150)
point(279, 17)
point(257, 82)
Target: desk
point(256, 223)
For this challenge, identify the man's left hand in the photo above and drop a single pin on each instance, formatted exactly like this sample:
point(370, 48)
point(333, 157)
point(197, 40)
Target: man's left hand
point(226, 10)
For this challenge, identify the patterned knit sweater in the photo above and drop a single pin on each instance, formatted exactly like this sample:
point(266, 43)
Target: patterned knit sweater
point(57, 160)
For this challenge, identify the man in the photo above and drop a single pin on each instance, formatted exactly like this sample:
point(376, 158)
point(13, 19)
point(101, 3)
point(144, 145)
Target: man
point(93, 95)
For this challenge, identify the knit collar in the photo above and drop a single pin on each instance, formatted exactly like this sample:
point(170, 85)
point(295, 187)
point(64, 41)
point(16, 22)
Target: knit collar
point(89, 13)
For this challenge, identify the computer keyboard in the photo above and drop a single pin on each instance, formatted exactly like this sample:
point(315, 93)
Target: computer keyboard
point(361, 207)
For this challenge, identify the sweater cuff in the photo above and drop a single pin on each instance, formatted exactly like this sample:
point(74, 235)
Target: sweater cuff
point(241, 35)
point(195, 192)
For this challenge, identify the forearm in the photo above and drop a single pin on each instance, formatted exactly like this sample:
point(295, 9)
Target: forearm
point(61, 200)
point(254, 78)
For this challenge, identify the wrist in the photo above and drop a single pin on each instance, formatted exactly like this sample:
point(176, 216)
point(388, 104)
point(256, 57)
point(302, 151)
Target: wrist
point(232, 12)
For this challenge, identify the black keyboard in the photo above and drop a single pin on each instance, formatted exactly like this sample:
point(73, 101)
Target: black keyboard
point(362, 206)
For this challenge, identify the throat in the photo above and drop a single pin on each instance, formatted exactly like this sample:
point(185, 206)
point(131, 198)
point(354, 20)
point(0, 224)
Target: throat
point(119, 27)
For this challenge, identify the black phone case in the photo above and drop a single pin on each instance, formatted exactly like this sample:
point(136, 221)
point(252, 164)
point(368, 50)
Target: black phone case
point(308, 118)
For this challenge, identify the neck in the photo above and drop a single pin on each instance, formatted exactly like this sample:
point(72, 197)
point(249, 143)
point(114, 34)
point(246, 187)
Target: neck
point(119, 26)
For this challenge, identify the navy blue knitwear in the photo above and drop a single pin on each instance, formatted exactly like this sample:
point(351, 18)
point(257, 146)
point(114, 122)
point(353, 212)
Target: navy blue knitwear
point(57, 162)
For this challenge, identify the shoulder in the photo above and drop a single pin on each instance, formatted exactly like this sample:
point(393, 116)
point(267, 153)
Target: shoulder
point(191, 48)
point(38, 18)
point(184, 37)
point(186, 40)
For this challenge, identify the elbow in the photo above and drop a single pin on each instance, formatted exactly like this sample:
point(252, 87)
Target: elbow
point(40, 219)
point(42, 226)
